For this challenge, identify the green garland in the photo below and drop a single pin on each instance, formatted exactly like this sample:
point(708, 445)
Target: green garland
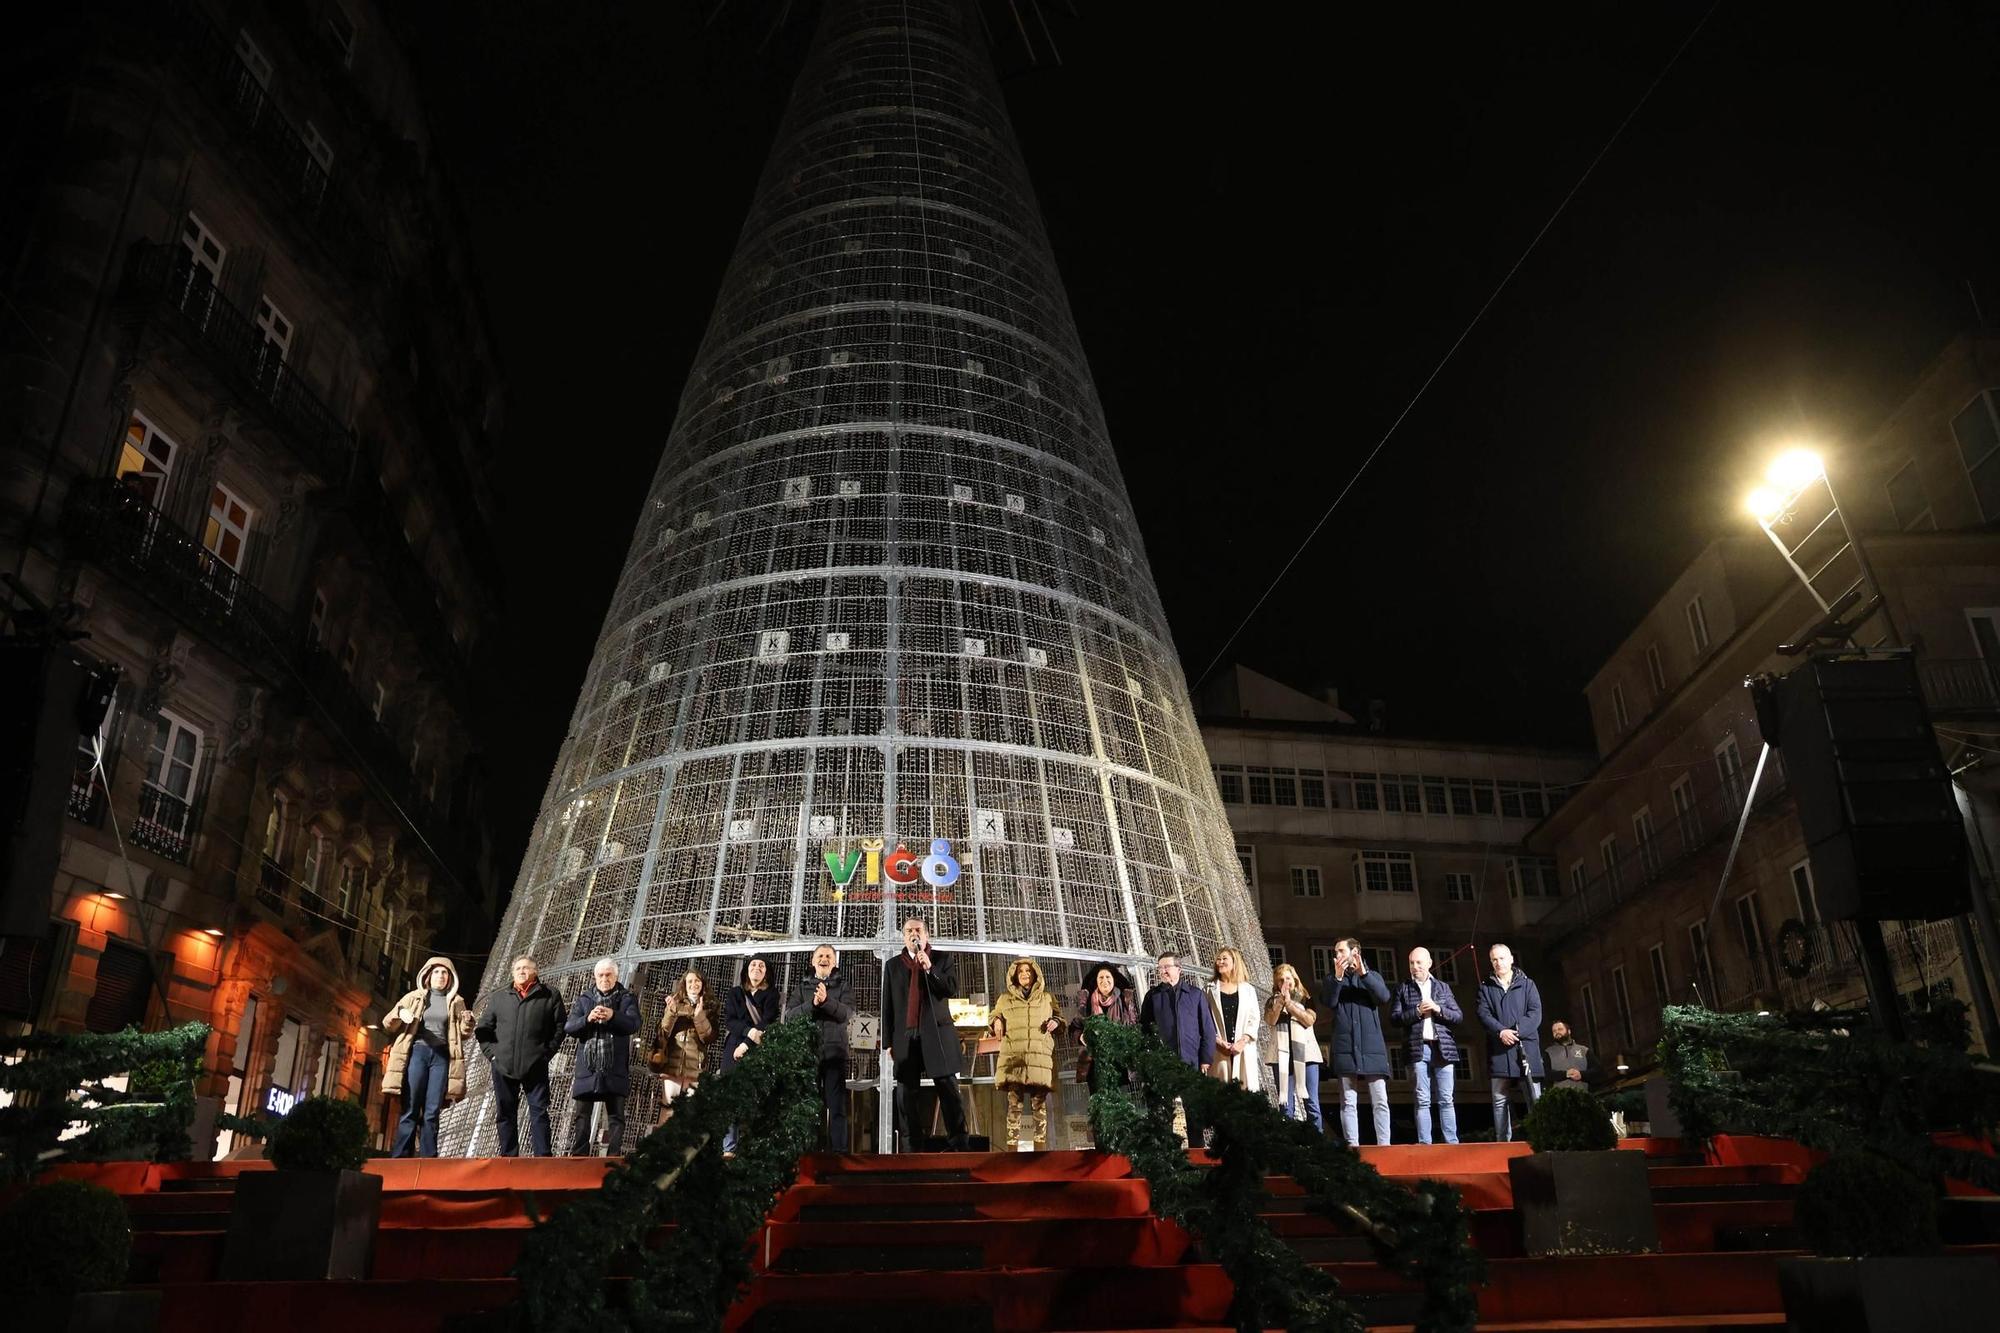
point(677, 1175)
point(1423, 1235)
point(149, 1119)
point(1801, 1077)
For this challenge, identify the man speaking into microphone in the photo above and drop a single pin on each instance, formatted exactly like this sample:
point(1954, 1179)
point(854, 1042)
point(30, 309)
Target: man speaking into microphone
point(917, 987)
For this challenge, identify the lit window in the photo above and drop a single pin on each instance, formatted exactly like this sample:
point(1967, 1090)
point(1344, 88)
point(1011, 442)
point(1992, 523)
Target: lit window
point(145, 460)
point(227, 530)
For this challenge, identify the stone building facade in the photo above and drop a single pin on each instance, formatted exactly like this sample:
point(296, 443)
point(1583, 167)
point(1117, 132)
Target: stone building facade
point(247, 406)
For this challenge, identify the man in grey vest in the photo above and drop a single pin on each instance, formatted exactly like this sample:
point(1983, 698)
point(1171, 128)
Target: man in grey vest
point(1568, 1059)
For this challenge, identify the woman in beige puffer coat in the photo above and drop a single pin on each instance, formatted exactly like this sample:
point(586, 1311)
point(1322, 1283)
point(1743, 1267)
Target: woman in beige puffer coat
point(431, 1023)
point(1026, 1020)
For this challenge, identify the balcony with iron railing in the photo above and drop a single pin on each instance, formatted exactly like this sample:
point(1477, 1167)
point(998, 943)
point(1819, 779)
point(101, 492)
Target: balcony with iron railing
point(273, 885)
point(1959, 687)
point(107, 521)
point(163, 282)
point(304, 186)
point(86, 793)
point(166, 823)
point(1709, 817)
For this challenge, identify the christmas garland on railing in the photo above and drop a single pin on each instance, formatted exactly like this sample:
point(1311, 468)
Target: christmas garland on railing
point(149, 1118)
point(1801, 1077)
point(677, 1176)
point(1423, 1235)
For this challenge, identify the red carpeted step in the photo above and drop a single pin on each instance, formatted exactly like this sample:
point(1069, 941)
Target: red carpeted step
point(964, 1202)
point(996, 1167)
point(1116, 1298)
point(1066, 1242)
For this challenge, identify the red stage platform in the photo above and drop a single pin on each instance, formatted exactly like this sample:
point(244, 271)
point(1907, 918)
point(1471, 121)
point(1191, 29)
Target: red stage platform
point(992, 1241)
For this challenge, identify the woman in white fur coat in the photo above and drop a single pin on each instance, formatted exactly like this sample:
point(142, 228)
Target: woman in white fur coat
point(1236, 1018)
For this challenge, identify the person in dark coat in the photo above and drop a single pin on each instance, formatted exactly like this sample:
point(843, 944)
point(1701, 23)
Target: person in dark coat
point(1178, 1011)
point(603, 1019)
point(751, 1005)
point(917, 987)
point(1510, 1009)
point(822, 993)
point(1357, 1054)
point(520, 1030)
point(1106, 993)
point(1426, 1006)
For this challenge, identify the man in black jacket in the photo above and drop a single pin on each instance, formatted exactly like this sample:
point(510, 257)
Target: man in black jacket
point(822, 992)
point(520, 1030)
point(917, 987)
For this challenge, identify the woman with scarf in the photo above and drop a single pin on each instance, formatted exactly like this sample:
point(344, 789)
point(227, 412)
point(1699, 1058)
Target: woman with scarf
point(752, 1005)
point(1026, 1021)
point(602, 1020)
point(1106, 993)
point(1296, 1050)
point(680, 1046)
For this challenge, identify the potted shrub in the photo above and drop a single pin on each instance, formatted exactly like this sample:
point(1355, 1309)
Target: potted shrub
point(64, 1249)
point(1879, 1264)
point(314, 1216)
point(1576, 1193)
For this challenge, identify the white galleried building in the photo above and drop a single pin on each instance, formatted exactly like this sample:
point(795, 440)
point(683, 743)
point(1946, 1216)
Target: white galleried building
point(1343, 831)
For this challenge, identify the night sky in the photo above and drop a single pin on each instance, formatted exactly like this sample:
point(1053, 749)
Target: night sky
point(1273, 221)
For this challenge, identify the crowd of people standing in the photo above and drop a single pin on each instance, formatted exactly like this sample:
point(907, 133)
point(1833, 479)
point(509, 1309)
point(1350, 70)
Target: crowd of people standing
point(1275, 1046)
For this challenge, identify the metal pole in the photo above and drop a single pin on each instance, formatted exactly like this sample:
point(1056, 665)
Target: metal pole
point(1880, 979)
point(1982, 899)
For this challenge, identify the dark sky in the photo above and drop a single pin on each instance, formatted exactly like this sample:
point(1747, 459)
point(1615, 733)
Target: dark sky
point(1273, 220)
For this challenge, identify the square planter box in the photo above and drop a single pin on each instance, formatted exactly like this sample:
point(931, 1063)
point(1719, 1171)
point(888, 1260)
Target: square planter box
point(1920, 1294)
point(1583, 1203)
point(302, 1226)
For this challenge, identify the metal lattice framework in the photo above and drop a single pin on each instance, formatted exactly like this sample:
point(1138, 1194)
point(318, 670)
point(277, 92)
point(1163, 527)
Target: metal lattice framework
point(887, 582)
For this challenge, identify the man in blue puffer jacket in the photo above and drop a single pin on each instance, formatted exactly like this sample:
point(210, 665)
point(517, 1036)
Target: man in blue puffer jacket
point(1178, 1010)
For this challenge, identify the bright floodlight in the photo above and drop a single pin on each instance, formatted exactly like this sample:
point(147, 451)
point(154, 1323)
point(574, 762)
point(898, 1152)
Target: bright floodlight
point(1764, 504)
point(1795, 469)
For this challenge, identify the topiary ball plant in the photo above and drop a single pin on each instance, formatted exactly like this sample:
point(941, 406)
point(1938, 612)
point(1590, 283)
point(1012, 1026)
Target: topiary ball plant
point(1568, 1119)
point(57, 1239)
point(1861, 1204)
point(320, 1134)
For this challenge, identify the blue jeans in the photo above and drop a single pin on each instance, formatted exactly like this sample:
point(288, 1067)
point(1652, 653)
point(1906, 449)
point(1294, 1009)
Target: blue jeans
point(1309, 1076)
point(423, 1098)
point(1378, 1097)
point(1503, 1125)
point(1427, 1068)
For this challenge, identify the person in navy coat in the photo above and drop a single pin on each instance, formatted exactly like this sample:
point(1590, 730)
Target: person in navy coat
point(1179, 1012)
point(752, 1005)
point(602, 1020)
point(1357, 1054)
point(1510, 1009)
point(1425, 1005)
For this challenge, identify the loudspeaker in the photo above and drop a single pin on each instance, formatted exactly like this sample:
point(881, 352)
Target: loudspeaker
point(1873, 794)
point(40, 694)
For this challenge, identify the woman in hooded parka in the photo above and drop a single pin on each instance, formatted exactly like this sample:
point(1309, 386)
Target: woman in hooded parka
point(1026, 1020)
point(427, 1060)
point(752, 1005)
point(680, 1046)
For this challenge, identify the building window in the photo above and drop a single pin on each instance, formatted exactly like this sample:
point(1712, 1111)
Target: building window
point(1434, 801)
point(1750, 933)
point(1656, 670)
point(1802, 893)
point(1276, 952)
point(342, 34)
point(205, 254)
point(1229, 784)
point(321, 169)
point(275, 830)
point(1907, 500)
point(254, 60)
point(1260, 785)
point(227, 530)
point(145, 460)
point(315, 858)
point(1607, 856)
point(1322, 961)
point(276, 329)
point(1532, 877)
point(1657, 956)
point(1686, 821)
point(1401, 791)
point(1284, 787)
point(1246, 856)
point(1386, 872)
point(124, 988)
point(1312, 789)
point(1522, 800)
point(1621, 1005)
point(332, 1055)
point(1729, 768)
point(1620, 718)
point(1579, 877)
point(316, 624)
point(1977, 430)
point(1458, 887)
point(1305, 882)
point(167, 797)
point(350, 656)
point(1444, 964)
point(1697, 618)
point(381, 701)
point(1704, 975)
point(350, 886)
point(1383, 961)
point(1642, 834)
point(1365, 795)
point(1588, 999)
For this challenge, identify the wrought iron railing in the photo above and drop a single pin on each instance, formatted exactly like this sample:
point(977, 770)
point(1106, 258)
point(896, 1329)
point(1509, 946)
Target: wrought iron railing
point(166, 279)
point(110, 523)
point(1957, 686)
point(272, 885)
point(166, 823)
point(86, 793)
